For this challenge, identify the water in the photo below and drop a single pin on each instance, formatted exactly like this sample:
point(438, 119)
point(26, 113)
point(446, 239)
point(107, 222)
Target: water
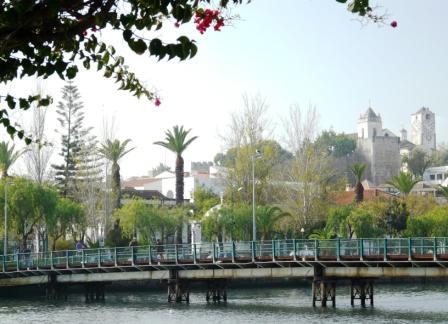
point(404, 303)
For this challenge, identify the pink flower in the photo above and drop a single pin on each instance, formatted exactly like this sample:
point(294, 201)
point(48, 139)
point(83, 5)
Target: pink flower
point(157, 102)
point(177, 24)
point(84, 33)
point(394, 24)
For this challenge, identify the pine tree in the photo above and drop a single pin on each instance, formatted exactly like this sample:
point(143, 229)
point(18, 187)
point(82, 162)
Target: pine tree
point(70, 119)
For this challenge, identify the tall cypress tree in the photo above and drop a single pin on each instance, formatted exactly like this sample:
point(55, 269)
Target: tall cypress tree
point(70, 119)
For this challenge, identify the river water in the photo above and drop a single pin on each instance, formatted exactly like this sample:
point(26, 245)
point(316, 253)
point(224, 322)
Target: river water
point(398, 303)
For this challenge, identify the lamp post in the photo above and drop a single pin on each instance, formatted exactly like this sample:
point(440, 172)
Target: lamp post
point(302, 230)
point(5, 239)
point(257, 154)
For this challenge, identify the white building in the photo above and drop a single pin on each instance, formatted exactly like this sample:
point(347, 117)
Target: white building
point(436, 175)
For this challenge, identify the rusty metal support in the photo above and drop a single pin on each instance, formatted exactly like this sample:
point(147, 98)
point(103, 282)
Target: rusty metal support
point(177, 288)
point(362, 290)
point(216, 291)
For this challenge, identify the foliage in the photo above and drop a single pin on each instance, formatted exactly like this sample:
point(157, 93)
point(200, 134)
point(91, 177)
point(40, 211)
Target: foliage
point(268, 220)
point(362, 224)
point(417, 162)
point(357, 170)
point(73, 135)
point(176, 141)
point(45, 38)
point(444, 191)
point(8, 156)
point(69, 218)
point(159, 169)
point(433, 223)
point(204, 199)
point(114, 150)
point(403, 182)
point(337, 224)
point(337, 145)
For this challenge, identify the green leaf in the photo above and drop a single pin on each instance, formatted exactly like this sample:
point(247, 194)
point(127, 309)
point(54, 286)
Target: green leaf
point(24, 104)
point(71, 72)
point(139, 46)
point(127, 34)
point(11, 102)
point(155, 47)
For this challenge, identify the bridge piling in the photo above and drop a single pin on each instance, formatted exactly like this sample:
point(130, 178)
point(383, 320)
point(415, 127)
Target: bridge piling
point(55, 290)
point(362, 290)
point(177, 288)
point(323, 289)
point(95, 291)
point(216, 291)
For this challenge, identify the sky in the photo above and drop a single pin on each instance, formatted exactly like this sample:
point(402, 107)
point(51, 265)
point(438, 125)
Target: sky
point(305, 52)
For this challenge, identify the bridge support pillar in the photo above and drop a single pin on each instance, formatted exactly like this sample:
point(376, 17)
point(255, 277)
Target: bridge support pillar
point(95, 291)
point(177, 288)
point(55, 290)
point(216, 291)
point(362, 290)
point(324, 290)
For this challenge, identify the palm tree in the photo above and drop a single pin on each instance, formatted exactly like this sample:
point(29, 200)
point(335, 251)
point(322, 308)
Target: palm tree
point(403, 182)
point(8, 156)
point(267, 219)
point(114, 151)
point(176, 141)
point(357, 170)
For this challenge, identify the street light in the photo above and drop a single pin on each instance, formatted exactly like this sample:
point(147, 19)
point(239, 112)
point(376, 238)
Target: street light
point(257, 154)
point(302, 230)
point(5, 240)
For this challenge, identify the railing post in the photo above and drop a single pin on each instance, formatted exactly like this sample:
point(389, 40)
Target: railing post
point(194, 253)
point(82, 259)
point(338, 249)
point(51, 260)
point(115, 257)
point(361, 249)
point(99, 258)
point(150, 254)
point(273, 250)
point(434, 248)
point(66, 259)
point(17, 262)
point(233, 252)
point(213, 253)
point(409, 249)
point(294, 243)
point(4, 263)
point(385, 249)
point(316, 249)
point(253, 250)
point(176, 255)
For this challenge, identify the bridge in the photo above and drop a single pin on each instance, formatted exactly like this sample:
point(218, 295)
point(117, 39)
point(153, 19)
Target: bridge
point(324, 262)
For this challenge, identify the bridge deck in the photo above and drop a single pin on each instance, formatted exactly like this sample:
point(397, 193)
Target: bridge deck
point(357, 253)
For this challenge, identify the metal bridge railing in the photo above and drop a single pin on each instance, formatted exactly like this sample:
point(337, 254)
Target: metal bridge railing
point(374, 249)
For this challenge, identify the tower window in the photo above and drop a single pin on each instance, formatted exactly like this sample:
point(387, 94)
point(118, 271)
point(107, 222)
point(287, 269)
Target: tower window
point(428, 116)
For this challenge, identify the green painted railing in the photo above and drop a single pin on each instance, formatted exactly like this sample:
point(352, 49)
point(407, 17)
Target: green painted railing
point(302, 250)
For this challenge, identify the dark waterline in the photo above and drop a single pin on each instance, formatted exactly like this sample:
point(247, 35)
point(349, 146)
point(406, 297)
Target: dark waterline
point(402, 303)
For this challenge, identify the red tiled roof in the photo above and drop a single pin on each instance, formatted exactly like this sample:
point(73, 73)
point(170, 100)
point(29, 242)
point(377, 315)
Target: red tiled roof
point(348, 197)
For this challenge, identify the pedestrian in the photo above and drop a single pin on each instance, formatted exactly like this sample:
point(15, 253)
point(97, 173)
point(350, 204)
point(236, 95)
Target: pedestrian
point(133, 245)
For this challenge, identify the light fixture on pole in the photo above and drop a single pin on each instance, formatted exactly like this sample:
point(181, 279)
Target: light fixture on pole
point(302, 230)
point(257, 154)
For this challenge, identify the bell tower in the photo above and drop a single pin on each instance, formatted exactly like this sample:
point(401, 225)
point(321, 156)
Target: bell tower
point(423, 129)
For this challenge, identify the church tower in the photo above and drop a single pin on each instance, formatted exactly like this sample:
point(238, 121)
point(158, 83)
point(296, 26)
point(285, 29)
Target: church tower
point(423, 129)
point(369, 125)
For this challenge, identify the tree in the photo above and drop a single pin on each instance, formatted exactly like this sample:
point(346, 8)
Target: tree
point(8, 156)
point(28, 205)
point(43, 38)
point(403, 182)
point(176, 141)
point(444, 191)
point(268, 219)
point(337, 222)
point(362, 224)
point(68, 215)
point(159, 169)
point(357, 170)
point(70, 119)
point(39, 152)
point(338, 145)
point(114, 151)
point(204, 199)
point(417, 162)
